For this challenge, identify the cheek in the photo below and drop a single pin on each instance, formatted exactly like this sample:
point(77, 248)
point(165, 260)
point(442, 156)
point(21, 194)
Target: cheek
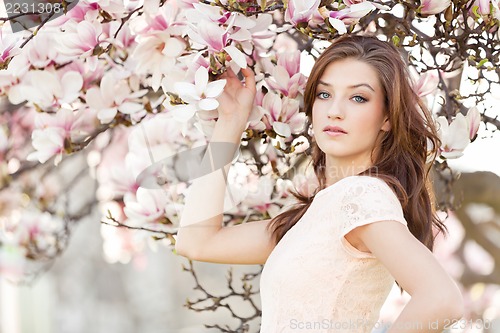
point(370, 122)
point(314, 116)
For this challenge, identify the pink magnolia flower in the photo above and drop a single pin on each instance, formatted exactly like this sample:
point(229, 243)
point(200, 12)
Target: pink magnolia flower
point(51, 132)
point(427, 83)
point(350, 15)
point(211, 35)
point(286, 77)
point(113, 95)
point(200, 96)
point(65, 119)
point(156, 54)
point(262, 38)
point(124, 39)
point(145, 206)
point(432, 7)
point(204, 12)
point(40, 52)
point(282, 115)
point(290, 61)
point(483, 7)
point(158, 19)
point(454, 137)
point(473, 118)
point(221, 32)
point(9, 44)
point(299, 11)
point(82, 11)
point(79, 39)
point(216, 39)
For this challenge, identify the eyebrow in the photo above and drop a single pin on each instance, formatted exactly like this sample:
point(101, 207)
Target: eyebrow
point(350, 87)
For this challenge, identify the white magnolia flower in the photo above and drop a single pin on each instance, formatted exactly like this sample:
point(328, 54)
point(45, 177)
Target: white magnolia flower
point(200, 96)
point(454, 136)
point(47, 143)
point(156, 54)
point(54, 90)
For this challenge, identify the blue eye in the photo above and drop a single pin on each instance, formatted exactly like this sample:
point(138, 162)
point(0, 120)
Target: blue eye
point(360, 99)
point(322, 94)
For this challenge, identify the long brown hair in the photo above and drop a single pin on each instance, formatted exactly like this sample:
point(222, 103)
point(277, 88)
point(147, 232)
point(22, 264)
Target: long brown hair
point(401, 160)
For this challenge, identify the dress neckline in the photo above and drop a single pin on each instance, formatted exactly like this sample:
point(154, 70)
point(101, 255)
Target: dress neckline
point(328, 188)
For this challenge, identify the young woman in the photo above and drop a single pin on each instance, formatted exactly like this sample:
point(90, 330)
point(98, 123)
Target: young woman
point(331, 260)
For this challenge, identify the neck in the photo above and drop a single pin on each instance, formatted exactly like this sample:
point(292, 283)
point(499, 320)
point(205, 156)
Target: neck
point(339, 168)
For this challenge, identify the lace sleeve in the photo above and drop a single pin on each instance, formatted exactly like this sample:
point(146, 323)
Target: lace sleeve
point(367, 200)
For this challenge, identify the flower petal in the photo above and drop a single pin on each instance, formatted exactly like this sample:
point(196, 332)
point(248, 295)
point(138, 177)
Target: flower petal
point(106, 115)
point(183, 113)
point(94, 99)
point(338, 25)
point(215, 88)
point(201, 80)
point(473, 120)
point(236, 55)
point(208, 104)
point(187, 92)
point(71, 83)
point(282, 129)
point(130, 107)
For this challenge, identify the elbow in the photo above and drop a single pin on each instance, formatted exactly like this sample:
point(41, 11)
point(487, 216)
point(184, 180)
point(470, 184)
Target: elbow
point(179, 250)
point(183, 251)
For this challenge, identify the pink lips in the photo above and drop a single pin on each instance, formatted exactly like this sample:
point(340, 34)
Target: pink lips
point(334, 130)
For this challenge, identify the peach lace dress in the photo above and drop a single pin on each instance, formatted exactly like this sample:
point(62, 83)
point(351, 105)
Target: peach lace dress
point(315, 280)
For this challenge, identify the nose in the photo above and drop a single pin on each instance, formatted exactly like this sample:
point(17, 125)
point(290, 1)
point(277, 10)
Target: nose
point(336, 109)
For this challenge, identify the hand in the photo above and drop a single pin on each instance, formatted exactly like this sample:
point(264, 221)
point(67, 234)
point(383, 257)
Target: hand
point(237, 99)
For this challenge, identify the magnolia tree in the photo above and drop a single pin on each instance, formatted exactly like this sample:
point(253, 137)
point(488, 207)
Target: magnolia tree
point(120, 97)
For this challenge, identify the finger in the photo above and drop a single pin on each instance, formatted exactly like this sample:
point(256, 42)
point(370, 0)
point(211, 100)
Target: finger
point(230, 73)
point(249, 78)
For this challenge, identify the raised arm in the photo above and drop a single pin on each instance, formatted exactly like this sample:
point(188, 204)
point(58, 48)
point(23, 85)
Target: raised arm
point(201, 235)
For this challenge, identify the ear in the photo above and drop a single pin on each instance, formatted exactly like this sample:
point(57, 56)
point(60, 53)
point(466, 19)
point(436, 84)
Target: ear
point(386, 126)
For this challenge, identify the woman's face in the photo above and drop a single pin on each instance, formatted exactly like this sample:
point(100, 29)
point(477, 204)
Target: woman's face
point(349, 100)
